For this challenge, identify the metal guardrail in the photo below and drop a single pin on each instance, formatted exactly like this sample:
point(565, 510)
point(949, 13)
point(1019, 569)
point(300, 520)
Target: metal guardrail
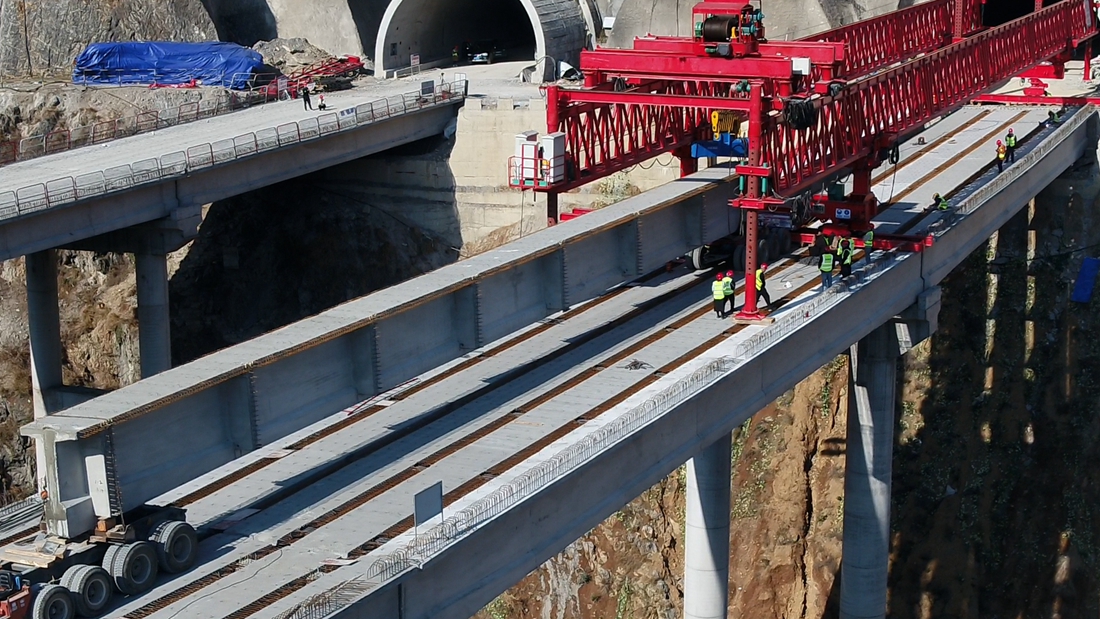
point(568, 460)
point(68, 189)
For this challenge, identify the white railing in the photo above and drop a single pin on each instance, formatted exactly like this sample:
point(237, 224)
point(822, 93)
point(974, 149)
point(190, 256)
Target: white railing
point(420, 549)
point(71, 188)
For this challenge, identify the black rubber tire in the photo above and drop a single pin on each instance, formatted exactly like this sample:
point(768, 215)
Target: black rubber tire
point(177, 545)
point(109, 556)
point(785, 242)
point(70, 575)
point(53, 602)
point(762, 254)
point(738, 261)
point(134, 568)
point(91, 588)
point(696, 257)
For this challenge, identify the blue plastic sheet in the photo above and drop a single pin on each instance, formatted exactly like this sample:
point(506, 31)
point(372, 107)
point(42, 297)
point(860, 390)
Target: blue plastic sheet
point(1086, 279)
point(168, 64)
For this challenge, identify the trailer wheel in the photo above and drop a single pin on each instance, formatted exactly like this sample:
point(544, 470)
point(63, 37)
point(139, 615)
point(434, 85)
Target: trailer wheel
point(177, 545)
point(697, 258)
point(134, 568)
point(109, 556)
point(91, 588)
point(52, 602)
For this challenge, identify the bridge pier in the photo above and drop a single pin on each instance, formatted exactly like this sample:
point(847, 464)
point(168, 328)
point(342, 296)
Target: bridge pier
point(44, 320)
point(707, 532)
point(154, 330)
point(872, 376)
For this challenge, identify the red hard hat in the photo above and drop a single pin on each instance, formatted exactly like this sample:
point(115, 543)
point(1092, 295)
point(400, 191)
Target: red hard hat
point(729, 273)
point(764, 266)
point(720, 277)
point(1010, 129)
point(998, 142)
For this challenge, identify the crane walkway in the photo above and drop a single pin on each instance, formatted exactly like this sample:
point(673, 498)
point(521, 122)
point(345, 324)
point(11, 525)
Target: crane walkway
point(314, 509)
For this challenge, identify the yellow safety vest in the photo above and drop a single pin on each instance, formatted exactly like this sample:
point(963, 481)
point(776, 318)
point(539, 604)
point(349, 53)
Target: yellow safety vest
point(868, 239)
point(727, 286)
point(827, 263)
point(1000, 152)
point(848, 251)
point(1010, 141)
point(759, 278)
point(719, 290)
point(942, 205)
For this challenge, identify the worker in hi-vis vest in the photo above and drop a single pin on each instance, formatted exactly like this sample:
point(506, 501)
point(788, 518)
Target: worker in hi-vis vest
point(847, 251)
point(940, 202)
point(826, 265)
point(762, 286)
point(718, 289)
point(727, 287)
point(1001, 152)
point(1010, 145)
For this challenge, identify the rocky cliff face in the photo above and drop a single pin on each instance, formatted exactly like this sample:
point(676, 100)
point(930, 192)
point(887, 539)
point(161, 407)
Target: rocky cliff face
point(43, 37)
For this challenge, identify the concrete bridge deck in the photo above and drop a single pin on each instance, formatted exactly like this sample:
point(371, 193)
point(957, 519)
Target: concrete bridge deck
point(70, 196)
point(343, 486)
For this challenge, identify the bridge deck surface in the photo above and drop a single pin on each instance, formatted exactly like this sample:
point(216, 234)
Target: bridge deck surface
point(424, 432)
point(124, 151)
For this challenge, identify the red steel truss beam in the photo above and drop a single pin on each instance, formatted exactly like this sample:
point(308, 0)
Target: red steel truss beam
point(900, 100)
point(881, 41)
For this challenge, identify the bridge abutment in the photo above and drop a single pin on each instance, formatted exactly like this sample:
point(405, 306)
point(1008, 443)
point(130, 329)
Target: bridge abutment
point(707, 532)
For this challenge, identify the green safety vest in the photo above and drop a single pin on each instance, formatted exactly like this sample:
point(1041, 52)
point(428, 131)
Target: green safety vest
point(1010, 141)
point(868, 239)
point(848, 252)
point(826, 263)
point(942, 204)
point(759, 279)
point(719, 290)
point(727, 286)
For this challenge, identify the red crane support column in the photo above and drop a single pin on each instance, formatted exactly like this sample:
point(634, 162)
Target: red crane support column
point(553, 103)
point(688, 164)
point(752, 190)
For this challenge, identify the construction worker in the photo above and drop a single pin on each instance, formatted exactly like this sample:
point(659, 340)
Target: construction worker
point(1001, 151)
point(826, 264)
point(1053, 118)
point(718, 289)
point(847, 251)
point(727, 287)
point(940, 202)
point(304, 94)
point(1010, 145)
point(762, 286)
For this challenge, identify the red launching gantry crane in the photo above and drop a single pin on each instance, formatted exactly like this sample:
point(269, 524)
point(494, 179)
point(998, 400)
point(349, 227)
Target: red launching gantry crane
point(832, 103)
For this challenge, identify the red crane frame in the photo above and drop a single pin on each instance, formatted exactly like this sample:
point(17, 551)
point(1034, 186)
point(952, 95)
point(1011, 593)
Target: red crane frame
point(653, 99)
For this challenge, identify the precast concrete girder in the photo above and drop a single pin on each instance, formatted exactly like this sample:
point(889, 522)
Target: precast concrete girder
point(464, 576)
point(187, 421)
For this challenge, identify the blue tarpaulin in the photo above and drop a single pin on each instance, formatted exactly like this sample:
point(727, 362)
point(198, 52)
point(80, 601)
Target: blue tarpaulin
point(1086, 279)
point(209, 64)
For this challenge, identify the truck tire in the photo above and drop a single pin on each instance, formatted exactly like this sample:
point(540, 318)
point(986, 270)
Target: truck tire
point(109, 556)
point(91, 589)
point(134, 568)
point(177, 545)
point(53, 602)
point(697, 258)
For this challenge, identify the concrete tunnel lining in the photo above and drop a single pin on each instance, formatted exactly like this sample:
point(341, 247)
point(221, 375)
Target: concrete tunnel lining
point(432, 28)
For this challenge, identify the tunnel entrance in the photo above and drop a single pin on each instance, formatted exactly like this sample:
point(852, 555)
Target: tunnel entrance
point(503, 29)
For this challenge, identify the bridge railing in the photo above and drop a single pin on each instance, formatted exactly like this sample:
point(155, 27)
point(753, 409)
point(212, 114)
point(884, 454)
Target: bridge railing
point(69, 189)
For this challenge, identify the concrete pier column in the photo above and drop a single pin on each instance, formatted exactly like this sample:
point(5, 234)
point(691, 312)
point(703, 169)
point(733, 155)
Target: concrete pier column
point(45, 330)
point(154, 335)
point(867, 477)
point(707, 534)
